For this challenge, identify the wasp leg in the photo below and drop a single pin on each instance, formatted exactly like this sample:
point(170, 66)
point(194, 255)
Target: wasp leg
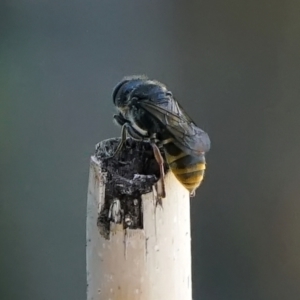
point(122, 142)
point(134, 133)
point(158, 157)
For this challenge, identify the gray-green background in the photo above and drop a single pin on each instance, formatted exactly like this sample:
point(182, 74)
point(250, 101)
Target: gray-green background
point(235, 67)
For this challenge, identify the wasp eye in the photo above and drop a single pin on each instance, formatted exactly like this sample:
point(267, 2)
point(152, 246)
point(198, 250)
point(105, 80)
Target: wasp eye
point(117, 89)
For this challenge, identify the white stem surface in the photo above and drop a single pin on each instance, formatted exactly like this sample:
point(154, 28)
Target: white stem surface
point(153, 263)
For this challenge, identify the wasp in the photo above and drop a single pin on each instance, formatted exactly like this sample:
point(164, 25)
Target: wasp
point(148, 111)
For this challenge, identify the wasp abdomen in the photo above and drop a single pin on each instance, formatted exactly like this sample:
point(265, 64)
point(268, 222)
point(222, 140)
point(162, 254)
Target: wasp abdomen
point(188, 169)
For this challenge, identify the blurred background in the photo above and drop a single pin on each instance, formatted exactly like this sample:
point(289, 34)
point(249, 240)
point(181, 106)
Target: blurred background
point(234, 65)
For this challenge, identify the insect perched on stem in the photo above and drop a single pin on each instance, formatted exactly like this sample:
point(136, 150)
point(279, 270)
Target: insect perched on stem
point(148, 111)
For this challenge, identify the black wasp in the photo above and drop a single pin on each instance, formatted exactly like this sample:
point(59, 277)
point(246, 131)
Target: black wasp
point(147, 110)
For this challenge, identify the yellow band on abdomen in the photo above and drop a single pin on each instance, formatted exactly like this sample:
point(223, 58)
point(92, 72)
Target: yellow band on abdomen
point(190, 169)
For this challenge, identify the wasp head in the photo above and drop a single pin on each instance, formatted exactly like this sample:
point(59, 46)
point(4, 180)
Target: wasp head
point(121, 93)
point(137, 87)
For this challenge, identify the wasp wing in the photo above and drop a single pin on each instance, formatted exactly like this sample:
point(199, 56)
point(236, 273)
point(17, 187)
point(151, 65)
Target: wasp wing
point(187, 135)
